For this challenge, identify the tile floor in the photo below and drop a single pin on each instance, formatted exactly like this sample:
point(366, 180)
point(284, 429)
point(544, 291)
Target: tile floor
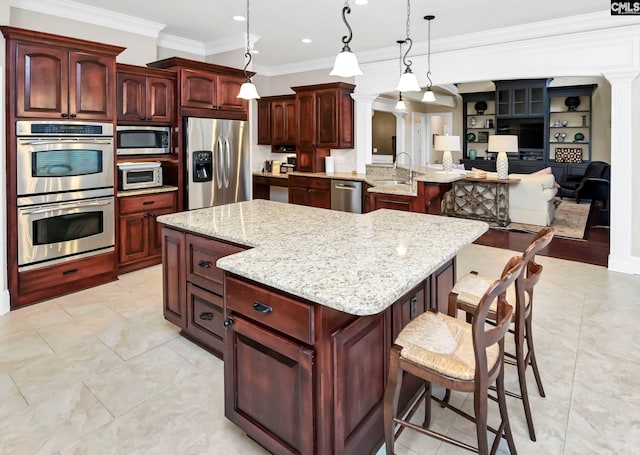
point(101, 372)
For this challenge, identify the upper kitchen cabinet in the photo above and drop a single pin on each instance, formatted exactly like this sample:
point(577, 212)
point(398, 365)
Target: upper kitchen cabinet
point(325, 121)
point(278, 123)
point(145, 95)
point(53, 77)
point(521, 98)
point(207, 90)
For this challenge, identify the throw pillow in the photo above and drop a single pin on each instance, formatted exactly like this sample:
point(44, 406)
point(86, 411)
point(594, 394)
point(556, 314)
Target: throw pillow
point(547, 170)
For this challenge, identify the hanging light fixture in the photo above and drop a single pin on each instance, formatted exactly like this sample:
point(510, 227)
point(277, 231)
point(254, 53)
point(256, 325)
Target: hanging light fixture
point(400, 105)
point(408, 81)
point(429, 96)
point(346, 64)
point(247, 89)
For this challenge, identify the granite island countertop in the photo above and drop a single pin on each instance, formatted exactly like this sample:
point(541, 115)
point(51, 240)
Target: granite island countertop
point(355, 263)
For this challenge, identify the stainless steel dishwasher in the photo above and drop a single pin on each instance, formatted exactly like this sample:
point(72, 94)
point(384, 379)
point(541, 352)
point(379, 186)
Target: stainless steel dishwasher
point(346, 195)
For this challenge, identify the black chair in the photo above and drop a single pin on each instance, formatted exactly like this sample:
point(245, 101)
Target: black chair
point(571, 184)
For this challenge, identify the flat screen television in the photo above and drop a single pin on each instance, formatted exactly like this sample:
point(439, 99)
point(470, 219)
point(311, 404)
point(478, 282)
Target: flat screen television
point(530, 132)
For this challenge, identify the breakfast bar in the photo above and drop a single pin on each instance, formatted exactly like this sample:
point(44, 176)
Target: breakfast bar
point(310, 300)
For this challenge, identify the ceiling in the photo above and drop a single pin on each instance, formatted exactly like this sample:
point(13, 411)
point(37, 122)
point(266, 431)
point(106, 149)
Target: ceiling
point(281, 24)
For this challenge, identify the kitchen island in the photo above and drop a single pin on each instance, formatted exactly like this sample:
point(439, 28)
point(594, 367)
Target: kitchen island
point(313, 299)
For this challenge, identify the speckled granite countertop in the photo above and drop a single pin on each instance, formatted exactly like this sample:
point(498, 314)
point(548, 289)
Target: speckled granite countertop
point(159, 189)
point(359, 264)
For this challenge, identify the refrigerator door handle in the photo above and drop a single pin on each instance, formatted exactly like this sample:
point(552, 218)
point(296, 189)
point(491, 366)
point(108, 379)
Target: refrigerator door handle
point(218, 163)
point(227, 167)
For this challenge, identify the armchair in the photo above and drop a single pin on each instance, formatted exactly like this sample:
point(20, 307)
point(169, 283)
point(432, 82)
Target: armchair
point(570, 185)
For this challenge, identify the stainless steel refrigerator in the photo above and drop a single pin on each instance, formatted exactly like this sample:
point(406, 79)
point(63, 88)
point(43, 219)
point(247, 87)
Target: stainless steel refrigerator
point(217, 161)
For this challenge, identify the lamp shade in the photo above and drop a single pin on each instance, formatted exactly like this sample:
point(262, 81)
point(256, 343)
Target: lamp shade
point(429, 96)
point(248, 91)
point(346, 65)
point(503, 143)
point(447, 143)
point(408, 83)
point(401, 106)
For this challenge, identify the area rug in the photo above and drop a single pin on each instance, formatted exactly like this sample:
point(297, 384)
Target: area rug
point(570, 221)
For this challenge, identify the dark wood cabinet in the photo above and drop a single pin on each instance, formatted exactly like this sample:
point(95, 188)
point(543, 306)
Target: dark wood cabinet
point(325, 121)
point(264, 121)
point(140, 234)
point(145, 95)
point(521, 98)
point(174, 277)
point(55, 77)
point(278, 123)
point(311, 191)
point(205, 89)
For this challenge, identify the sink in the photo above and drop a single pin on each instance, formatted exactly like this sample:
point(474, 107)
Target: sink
point(391, 182)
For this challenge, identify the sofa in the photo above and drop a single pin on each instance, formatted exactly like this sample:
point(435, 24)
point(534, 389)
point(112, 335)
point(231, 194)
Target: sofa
point(531, 199)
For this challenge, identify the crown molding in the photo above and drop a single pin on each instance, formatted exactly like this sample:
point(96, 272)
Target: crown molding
point(178, 43)
point(91, 15)
point(231, 43)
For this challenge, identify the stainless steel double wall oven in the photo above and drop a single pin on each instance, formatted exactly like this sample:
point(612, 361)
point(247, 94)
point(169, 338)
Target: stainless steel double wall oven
point(65, 191)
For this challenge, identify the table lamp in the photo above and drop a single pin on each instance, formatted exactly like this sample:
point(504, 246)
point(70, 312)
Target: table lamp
point(447, 144)
point(503, 144)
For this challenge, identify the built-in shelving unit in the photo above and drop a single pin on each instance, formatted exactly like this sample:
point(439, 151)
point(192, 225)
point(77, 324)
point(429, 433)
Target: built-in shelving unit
point(479, 123)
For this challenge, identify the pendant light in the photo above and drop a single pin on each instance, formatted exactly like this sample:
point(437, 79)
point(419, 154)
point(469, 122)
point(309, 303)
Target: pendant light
point(400, 105)
point(247, 89)
point(346, 64)
point(408, 81)
point(429, 96)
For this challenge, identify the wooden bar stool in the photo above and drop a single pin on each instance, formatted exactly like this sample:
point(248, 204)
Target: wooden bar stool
point(466, 295)
point(449, 352)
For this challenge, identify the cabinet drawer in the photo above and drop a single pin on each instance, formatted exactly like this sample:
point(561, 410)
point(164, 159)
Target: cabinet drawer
point(65, 273)
point(271, 309)
point(296, 180)
point(320, 183)
point(202, 255)
point(130, 204)
point(205, 317)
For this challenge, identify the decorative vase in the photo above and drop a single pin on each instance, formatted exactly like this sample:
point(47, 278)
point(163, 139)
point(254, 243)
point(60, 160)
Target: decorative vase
point(473, 122)
point(447, 161)
point(502, 166)
point(473, 154)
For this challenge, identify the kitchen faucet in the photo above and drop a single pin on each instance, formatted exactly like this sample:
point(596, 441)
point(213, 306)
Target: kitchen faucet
point(395, 165)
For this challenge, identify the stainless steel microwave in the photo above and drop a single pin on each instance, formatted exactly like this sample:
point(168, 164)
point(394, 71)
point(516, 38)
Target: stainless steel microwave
point(143, 140)
point(135, 176)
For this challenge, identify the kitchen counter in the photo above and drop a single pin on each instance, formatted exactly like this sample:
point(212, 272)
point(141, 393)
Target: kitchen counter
point(159, 189)
point(358, 264)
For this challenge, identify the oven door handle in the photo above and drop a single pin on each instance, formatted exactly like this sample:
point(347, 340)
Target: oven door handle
point(58, 207)
point(65, 141)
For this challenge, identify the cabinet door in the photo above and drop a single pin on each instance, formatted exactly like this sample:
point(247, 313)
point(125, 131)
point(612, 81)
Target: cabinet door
point(320, 198)
point(174, 278)
point(277, 122)
point(228, 89)
point(91, 85)
point(304, 157)
point(131, 97)
point(160, 94)
point(274, 407)
point(134, 237)
point(290, 122)
point(199, 89)
point(298, 196)
point(327, 118)
point(42, 84)
point(264, 122)
point(306, 107)
point(155, 231)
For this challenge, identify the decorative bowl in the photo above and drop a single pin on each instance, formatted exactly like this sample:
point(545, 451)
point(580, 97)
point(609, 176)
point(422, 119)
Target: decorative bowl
point(471, 137)
point(578, 137)
point(480, 107)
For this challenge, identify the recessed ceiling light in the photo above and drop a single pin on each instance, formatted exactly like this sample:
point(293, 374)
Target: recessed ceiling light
point(361, 2)
point(239, 18)
point(306, 40)
point(254, 51)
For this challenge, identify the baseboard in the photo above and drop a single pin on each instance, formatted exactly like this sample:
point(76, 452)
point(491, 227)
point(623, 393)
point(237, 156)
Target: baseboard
point(5, 302)
point(626, 264)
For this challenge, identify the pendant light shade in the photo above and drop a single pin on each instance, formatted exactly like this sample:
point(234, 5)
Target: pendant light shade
point(248, 91)
point(429, 96)
point(408, 81)
point(346, 64)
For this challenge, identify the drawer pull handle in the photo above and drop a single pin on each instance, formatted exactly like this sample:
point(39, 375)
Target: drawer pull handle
point(205, 264)
point(206, 316)
point(69, 272)
point(412, 308)
point(148, 202)
point(262, 308)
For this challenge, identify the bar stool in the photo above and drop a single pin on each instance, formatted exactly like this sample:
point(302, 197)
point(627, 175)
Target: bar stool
point(466, 295)
point(449, 352)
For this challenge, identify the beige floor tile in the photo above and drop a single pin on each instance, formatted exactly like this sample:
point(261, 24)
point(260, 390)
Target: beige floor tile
point(130, 339)
point(11, 400)
point(42, 377)
point(194, 354)
point(21, 346)
point(33, 317)
point(123, 388)
point(53, 424)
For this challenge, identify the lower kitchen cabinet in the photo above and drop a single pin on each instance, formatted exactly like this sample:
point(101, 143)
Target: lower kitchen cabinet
point(391, 201)
point(311, 191)
point(140, 235)
point(194, 287)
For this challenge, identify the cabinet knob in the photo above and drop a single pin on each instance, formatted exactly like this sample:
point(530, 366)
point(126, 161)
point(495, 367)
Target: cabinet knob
point(205, 264)
point(262, 308)
point(72, 115)
point(228, 322)
point(64, 115)
point(206, 316)
point(145, 215)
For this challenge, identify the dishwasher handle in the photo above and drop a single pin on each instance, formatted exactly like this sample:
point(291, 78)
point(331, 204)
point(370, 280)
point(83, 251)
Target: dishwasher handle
point(345, 186)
